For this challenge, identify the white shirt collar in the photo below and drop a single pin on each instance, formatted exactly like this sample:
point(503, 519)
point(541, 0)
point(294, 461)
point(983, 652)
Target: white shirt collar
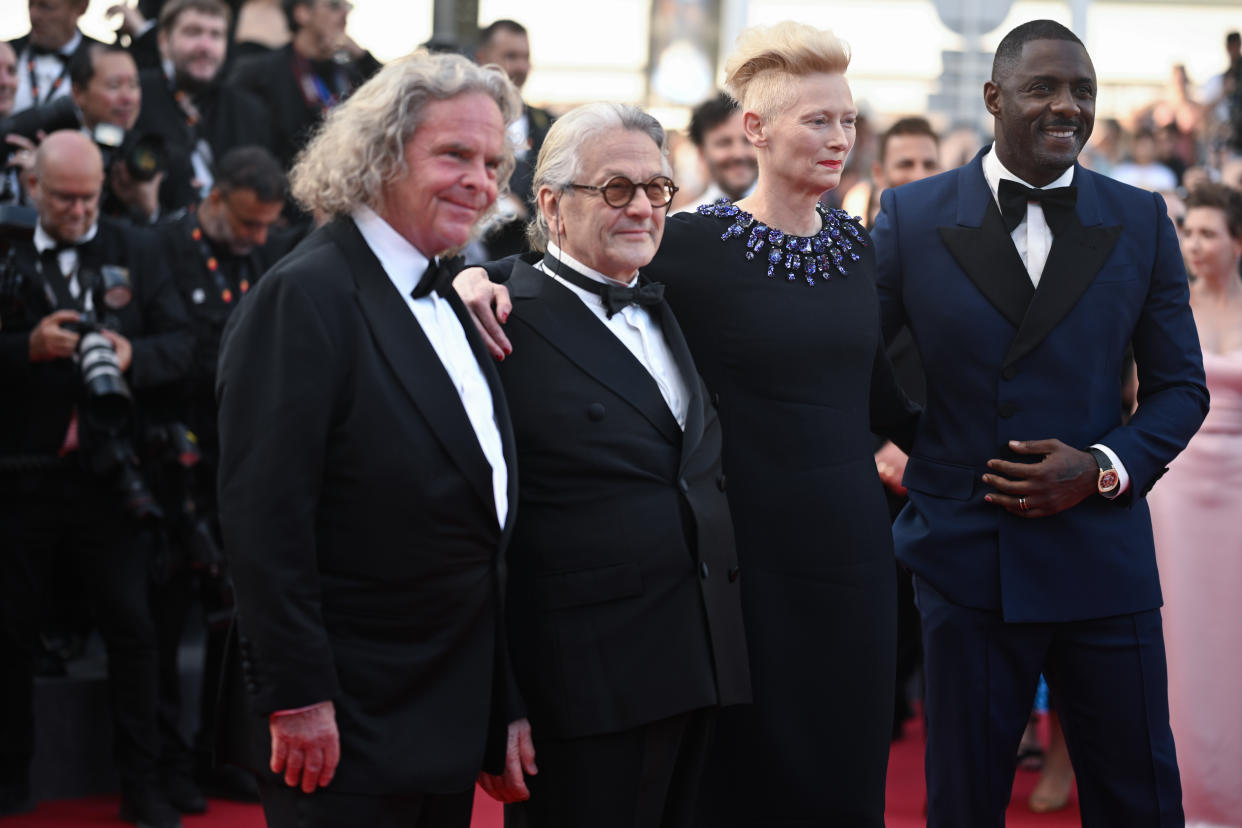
point(995, 172)
point(591, 273)
point(403, 262)
point(44, 241)
point(72, 46)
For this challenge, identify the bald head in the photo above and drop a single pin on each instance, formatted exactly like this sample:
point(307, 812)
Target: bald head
point(65, 184)
point(69, 151)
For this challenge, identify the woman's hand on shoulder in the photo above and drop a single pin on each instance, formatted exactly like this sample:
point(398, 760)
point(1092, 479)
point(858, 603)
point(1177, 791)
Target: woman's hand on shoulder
point(489, 307)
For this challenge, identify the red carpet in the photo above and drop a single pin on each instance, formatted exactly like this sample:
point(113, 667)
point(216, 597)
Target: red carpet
point(905, 802)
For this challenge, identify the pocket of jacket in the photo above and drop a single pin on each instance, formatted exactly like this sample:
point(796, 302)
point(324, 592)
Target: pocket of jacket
point(939, 479)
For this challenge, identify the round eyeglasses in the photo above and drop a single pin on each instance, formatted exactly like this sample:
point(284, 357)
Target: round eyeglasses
point(619, 191)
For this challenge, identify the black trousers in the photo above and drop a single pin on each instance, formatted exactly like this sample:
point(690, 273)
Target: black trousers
point(66, 518)
point(286, 807)
point(1109, 682)
point(645, 777)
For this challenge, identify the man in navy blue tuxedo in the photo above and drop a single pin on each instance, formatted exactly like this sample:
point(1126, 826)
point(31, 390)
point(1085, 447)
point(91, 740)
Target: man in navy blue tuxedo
point(1024, 279)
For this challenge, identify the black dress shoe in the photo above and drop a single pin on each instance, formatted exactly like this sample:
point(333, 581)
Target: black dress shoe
point(15, 798)
point(148, 807)
point(183, 792)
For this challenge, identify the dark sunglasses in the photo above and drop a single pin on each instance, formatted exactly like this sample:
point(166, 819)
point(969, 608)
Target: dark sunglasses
point(619, 191)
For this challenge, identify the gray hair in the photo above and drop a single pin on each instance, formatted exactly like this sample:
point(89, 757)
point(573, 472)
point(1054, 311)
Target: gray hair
point(560, 158)
point(360, 147)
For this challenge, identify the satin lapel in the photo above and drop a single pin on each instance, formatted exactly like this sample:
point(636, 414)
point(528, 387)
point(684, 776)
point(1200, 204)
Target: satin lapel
point(499, 404)
point(560, 317)
point(1076, 256)
point(689, 375)
point(413, 360)
point(984, 249)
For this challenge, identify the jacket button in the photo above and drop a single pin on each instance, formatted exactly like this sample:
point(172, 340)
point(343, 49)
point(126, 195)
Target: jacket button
point(1009, 372)
point(683, 485)
point(715, 399)
point(251, 687)
point(735, 573)
point(595, 412)
point(1006, 410)
point(721, 483)
point(703, 570)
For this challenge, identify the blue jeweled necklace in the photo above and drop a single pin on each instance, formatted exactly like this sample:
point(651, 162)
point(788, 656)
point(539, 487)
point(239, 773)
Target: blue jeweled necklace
point(805, 256)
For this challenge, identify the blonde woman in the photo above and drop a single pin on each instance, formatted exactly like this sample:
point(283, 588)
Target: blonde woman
point(777, 300)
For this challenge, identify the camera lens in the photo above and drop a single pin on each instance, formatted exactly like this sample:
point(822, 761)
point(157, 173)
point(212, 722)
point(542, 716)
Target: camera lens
point(110, 400)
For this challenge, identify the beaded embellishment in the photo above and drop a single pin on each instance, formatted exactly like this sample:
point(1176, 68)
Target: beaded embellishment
point(811, 257)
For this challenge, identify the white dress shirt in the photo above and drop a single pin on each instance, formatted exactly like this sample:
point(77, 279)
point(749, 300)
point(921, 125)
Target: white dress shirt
point(405, 265)
point(67, 258)
point(1033, 238)
point(638, 332)
point(47, 69)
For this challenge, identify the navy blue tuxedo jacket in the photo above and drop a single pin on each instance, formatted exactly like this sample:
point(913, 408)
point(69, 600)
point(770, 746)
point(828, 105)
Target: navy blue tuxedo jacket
point(1005, 361)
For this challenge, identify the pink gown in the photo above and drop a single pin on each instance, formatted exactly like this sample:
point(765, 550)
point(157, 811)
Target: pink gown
point(1196, 512)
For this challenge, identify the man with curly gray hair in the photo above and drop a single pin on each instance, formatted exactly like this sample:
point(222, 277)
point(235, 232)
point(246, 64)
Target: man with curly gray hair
point(365, 467)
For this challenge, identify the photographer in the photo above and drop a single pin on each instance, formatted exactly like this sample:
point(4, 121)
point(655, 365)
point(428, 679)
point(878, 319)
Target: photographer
point(222, 248)
point(87, 312)
point(105, 102)
point(198, 117)
point(107, 93)
point(10, 188)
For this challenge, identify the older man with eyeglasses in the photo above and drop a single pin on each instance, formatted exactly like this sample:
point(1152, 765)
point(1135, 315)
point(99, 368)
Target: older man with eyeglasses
point(624, 623)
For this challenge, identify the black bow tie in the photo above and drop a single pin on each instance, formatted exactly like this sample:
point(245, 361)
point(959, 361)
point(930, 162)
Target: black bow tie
point(615, 297)
point(438, 277)
point(1058, 204)
point(60, 247)
point(38, 51)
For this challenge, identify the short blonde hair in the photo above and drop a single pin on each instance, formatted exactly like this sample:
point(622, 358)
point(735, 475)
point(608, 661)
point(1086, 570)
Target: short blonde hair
point(764, 58)
point(360, 147)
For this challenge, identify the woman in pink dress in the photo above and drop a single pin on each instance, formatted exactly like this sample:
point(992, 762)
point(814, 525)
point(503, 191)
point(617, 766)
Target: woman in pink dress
point(1196, 512)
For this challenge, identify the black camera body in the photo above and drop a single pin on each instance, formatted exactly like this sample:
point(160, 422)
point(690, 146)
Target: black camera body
point(143, 155)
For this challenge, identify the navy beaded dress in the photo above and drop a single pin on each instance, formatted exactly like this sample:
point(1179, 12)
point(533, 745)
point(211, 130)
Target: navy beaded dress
point(788, 341)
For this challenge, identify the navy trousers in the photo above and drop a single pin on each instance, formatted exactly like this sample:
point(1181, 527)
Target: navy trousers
point(1109, 684)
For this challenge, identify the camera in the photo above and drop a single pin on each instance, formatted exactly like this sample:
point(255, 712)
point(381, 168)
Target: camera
point(106, 412)
point(61, 113)
point(143, 155)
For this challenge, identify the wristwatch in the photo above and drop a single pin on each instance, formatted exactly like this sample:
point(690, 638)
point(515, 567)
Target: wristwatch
point(1109, 481)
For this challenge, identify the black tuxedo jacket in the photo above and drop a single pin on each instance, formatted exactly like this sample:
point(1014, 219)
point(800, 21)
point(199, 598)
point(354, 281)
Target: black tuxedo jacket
point(360, 523)
point(40, 397)
point(270, 77)
point(623, 600)
point(230, 118)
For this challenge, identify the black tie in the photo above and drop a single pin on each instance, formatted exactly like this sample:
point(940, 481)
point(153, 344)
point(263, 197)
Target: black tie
point(438, 277)
point(38, 51)
point(614, 296)
point(1058, 204)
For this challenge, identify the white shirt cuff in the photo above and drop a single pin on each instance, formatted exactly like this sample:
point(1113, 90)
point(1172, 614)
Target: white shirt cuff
point(1123, 477)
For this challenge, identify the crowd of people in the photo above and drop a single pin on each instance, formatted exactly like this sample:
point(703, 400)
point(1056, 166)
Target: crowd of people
point(657, 515)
